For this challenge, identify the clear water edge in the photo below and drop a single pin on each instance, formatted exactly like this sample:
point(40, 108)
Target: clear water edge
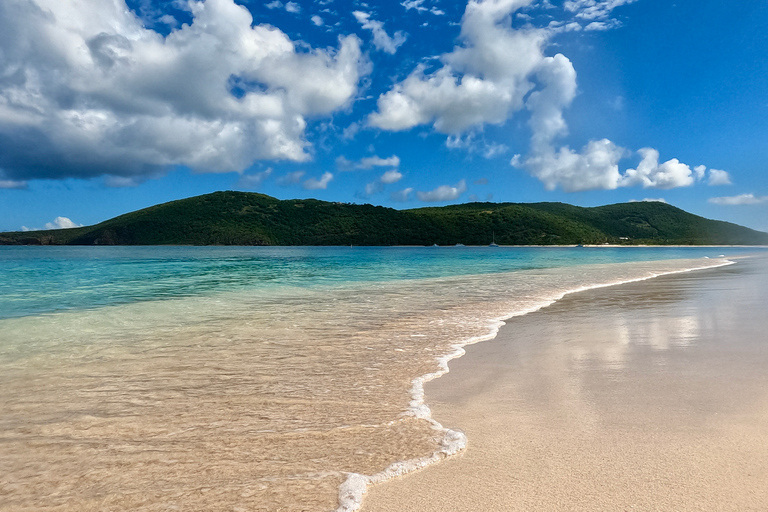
point(354, 488)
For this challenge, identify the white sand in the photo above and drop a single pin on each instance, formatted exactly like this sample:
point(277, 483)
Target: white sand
point(648, 396)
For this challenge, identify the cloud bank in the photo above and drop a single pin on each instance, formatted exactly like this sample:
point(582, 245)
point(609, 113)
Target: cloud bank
point(742, 199)
point(87, 90)
point(495, 72)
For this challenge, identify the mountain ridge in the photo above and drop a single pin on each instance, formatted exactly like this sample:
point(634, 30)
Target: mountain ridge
point(248, 218)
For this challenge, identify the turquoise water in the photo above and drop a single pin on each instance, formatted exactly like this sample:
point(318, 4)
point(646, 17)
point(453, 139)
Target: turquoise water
point(254, 378)
point(36, 280)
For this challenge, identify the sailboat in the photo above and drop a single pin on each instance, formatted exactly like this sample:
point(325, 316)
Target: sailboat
point(493, 243)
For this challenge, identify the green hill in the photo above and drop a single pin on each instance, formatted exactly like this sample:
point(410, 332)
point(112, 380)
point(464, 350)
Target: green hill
point(240, 218)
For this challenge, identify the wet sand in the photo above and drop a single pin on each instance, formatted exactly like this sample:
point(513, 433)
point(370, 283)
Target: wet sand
point(644, 396)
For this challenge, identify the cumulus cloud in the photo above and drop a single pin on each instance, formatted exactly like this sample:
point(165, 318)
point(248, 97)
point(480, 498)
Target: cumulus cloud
point(497, 71)
point(719, 177)
point(87, 89)
point(293, 7)
point(443, 193)
point(318, 184)
point(317, 20)
point(739, 200)
point(381, 40)
point(595, 167)
point(58, 223)
point(253, 181)
point(648, 200)
point(61, 223)
point(650, 174)
point(391, 176)
point(484, 80)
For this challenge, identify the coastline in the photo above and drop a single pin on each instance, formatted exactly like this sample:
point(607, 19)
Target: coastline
point(262, 399)
point(356, 486)
point(457, 406)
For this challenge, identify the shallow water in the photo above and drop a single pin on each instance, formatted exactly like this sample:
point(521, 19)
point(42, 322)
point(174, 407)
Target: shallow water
point(250, 378)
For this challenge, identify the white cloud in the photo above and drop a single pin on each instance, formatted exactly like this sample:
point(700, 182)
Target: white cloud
point(367, 163)
point(7, 184)
point(493, 150)
point(719, 177)
point(381, 40)
point(482, 81)
point(414, 4)
point(739, 200)
point(497, 71)
point(443, 193)
point(601, 26)
point(594, 9)
point(375, 161)
point(318, 184)
point(650, 174)
point(292, 7)
point(61, 223)
point(700, 171)
point(391, 176)
point(401, 196)
point(291, 178)
point(436, 11)
point(596, 167)
point(648, 200)
point(276, 4)
point(253, 181)
point(94, 89)
point(317, 20)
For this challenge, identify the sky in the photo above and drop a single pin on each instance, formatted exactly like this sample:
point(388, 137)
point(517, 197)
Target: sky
point(109, 106)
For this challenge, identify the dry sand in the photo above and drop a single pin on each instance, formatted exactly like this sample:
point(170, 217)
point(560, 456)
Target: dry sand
point(646, 396)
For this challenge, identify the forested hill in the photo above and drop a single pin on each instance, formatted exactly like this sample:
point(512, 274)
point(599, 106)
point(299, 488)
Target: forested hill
point(241, 218)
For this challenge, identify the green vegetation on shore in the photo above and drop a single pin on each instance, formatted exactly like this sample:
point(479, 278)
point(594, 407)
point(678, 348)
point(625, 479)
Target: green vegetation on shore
point(241, 218)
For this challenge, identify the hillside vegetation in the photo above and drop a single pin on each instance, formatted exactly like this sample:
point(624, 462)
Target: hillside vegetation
point(241, 218)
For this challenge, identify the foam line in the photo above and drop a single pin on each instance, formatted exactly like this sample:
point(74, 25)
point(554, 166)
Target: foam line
point(353, 489)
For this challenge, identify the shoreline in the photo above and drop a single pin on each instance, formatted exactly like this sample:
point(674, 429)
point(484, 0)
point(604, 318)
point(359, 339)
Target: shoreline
point(354, 488)
point(382, 497)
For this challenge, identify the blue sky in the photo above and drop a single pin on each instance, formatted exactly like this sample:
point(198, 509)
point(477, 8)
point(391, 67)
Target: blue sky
point(110, 106)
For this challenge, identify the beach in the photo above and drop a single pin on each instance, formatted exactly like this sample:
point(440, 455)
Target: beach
point(641, 396)
point(293, 378)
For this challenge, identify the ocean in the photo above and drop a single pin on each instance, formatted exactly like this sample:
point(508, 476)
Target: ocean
point(254, 378)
